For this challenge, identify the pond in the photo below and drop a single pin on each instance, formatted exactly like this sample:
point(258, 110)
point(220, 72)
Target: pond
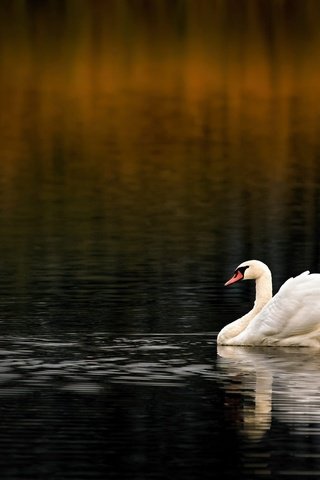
point(156, 406)
point(147, 149)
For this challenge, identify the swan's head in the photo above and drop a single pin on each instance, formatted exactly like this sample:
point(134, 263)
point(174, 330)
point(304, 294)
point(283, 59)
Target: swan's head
point(249, 270)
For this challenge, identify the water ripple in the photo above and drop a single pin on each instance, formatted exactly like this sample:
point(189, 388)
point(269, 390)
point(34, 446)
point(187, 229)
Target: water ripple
point(157, 360)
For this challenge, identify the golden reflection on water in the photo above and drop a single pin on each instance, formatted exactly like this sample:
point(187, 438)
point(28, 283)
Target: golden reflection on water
point(86, 70)
point(162, 116)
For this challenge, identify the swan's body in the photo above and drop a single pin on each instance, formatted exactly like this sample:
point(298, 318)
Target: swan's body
point(290, 318)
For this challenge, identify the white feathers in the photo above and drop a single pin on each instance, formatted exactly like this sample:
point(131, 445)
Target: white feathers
point(290, 318)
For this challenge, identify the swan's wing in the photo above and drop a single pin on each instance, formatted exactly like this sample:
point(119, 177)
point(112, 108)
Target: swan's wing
point(293, 312)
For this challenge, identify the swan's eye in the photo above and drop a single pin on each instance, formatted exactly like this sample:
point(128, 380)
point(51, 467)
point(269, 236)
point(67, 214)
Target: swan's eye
point(242, 269)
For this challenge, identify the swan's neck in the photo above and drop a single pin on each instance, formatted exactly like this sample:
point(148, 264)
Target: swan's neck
point(263, 295)
point(263, 291)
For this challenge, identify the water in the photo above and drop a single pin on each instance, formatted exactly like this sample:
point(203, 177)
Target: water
point(146, 150)
point(135, 406)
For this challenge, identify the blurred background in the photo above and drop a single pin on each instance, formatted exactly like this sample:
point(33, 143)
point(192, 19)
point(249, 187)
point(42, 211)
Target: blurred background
point(149, 147)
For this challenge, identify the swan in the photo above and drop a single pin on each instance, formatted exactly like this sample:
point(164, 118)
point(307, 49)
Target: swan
point(289, 318)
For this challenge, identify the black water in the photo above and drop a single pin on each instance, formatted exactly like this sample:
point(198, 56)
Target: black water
point(155, 406)
point(144, 156)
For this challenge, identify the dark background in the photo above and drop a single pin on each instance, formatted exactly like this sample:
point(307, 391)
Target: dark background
point(147, 148)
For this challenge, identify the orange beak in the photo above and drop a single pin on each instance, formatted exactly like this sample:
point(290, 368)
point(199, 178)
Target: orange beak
point(236, 278)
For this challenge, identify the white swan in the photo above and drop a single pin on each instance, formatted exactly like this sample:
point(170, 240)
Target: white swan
point(290, 318)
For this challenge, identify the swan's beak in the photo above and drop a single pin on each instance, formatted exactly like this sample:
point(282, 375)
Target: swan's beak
point(236, 278)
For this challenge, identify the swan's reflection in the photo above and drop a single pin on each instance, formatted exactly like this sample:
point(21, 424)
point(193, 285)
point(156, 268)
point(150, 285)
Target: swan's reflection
point(281, 382)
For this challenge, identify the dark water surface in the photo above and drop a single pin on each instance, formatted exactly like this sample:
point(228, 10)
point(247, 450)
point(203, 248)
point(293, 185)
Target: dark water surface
point(147, 148)
point(157, 406)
